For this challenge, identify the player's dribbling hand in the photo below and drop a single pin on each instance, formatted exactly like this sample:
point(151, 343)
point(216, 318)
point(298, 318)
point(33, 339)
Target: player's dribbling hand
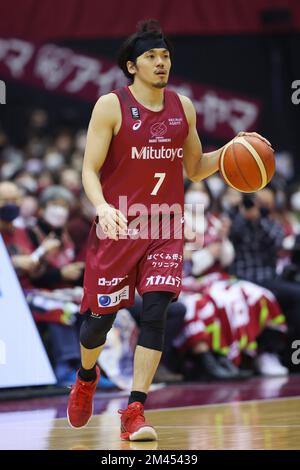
point(255, 134)
point(111, 221)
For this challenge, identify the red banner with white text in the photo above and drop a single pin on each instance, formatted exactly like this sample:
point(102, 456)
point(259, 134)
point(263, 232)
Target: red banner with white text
point(220, 113)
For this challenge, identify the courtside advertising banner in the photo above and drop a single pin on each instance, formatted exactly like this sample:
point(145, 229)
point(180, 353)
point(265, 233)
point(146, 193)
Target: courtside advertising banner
point(23, 359)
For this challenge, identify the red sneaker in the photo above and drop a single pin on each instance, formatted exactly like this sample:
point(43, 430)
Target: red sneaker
point(80, 406)
point(133, 424)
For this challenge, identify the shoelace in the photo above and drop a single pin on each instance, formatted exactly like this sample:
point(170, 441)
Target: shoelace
point(132, 412)
point(82, 393)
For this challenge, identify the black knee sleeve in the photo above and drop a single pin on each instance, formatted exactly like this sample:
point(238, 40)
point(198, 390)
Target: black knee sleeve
point(153, 319)
point(94, 330)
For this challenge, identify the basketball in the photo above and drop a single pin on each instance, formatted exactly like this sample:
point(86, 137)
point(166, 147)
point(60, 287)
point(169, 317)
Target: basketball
point(247, 164)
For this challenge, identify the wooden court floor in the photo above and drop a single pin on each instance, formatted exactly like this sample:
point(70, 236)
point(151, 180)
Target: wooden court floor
point(265, 424)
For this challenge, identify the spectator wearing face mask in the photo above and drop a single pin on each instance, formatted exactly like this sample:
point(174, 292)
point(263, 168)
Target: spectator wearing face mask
point(230, 201)
point(25, 257)
point(58, 270)
point(79, 225)
point(279, 211)
point(71, 179)
point(29, 258)
point(207, 250)
point(257, 239)
point(28, 212)
point(216, 187)
point(295, 208)
point(209, 256)
point(15, 238)
point(53, 160)
point(26, 182)
point(214, 251)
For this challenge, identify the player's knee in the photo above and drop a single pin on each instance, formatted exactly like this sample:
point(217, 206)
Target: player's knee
point(152, 340)
point(93, 331)
point(152, 329)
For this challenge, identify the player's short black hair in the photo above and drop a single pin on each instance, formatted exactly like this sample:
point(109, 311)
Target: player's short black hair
point(147, 29)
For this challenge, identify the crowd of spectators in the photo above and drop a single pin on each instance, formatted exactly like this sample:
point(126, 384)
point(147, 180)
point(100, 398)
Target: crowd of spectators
point(249, 247)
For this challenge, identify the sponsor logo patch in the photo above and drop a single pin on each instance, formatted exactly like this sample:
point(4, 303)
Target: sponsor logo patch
point(152, 153)
point(102, 281)
point(110, 300)
point(163, 280)
point(135, 113)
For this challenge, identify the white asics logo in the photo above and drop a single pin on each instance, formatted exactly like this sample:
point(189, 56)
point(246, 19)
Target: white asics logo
point(137, 125)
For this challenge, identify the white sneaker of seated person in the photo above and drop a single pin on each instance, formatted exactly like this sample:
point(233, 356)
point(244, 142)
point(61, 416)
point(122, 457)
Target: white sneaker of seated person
point(269, 364)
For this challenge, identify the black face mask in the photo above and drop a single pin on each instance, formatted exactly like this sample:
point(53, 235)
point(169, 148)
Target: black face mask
point(264, 211)
point(9, 212)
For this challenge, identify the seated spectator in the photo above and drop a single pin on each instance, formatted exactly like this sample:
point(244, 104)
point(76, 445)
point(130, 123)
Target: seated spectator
point(59, 269)
point(26, 182)
point(257, 238)
point(230, 201)
point(211, 250)
point(212, 318)
point(79, 225)
point(71, 180)
point(34, 258)
point(295, 208)
point(28, 212)
point(15, 238)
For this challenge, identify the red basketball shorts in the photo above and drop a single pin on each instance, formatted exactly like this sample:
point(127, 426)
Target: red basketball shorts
point(115, 268)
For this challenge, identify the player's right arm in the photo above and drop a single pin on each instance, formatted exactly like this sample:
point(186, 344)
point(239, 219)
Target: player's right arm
point(104, 121)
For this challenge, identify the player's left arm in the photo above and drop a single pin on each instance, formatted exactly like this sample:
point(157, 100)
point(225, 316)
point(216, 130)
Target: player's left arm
point(199, 165)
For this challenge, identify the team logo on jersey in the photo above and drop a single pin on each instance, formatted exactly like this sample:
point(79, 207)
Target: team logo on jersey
point(137, 125)
point(110, 300)
point(135, 113)
point(158, 129)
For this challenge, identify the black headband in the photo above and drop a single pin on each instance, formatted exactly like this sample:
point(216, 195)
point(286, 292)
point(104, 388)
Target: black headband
point(145, 44)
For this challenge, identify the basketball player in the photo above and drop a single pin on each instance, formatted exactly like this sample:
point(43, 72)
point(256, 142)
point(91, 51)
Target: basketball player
point(138, 138)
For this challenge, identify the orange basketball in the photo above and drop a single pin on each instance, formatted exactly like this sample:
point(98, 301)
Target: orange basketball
point(247, 164)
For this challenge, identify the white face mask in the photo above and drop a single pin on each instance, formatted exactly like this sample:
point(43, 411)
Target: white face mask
point(216, 185)
point(54, 161)
point(295, 201)
point(197, 197)
point(56, 216)
point(225, 203)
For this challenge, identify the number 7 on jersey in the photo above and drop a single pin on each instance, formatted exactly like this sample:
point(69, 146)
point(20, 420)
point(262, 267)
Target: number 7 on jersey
point(161, 177)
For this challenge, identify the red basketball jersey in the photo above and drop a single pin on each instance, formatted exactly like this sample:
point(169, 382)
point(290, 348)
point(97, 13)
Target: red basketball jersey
point(144, 161)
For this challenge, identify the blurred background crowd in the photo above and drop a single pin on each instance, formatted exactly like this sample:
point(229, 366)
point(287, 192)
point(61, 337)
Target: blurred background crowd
point(239, 312)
